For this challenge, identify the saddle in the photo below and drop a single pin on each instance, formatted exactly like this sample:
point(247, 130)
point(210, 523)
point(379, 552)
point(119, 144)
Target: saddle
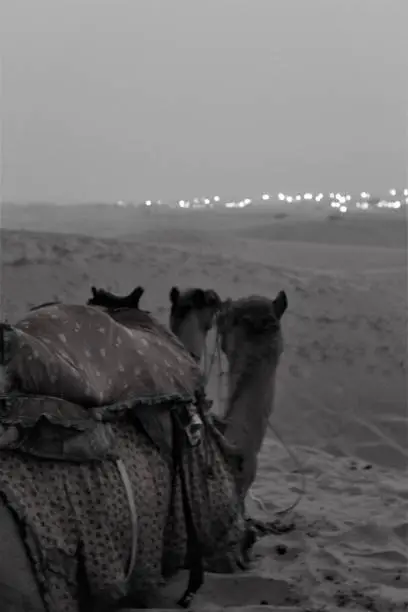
point(59, 394)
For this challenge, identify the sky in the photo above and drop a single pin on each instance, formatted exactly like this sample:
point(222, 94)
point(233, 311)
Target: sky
point(147, 99)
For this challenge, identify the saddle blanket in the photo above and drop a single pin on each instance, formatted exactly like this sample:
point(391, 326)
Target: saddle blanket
point(83, 355)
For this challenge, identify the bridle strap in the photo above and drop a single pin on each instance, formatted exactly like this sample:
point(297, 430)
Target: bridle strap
point(194, 551)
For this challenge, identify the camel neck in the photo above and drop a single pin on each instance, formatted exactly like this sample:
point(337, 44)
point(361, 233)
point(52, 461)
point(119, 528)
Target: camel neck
point(250, 403)
point(190, 335)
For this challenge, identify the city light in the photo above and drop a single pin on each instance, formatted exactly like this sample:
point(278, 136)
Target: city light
point(395, 199)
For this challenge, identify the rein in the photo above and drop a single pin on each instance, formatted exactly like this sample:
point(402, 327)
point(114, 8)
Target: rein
point(194, 550)
point(209, 363)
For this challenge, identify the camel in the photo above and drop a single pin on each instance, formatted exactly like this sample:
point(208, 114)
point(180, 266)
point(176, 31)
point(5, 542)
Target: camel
point(251, 339)
point(250, 336)
point(192, 315)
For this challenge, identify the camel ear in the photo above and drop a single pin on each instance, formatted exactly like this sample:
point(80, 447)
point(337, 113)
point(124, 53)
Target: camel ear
point(136, 295)
point(94, 291)
point(212, 298)
point(280, 304)
point(174, 295)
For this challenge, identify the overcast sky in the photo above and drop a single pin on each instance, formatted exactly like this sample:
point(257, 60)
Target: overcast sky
point(118, 99)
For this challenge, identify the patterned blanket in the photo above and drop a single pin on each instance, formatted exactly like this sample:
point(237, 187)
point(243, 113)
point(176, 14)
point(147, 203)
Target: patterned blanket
point(85, 390)
point(77, 521)
point(67, 368)
point(82, 354)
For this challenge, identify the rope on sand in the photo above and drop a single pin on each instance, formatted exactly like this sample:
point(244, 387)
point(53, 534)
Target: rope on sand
point(293, 456)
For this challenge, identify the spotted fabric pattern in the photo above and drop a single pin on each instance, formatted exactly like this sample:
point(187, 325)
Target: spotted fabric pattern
point(85, 356)
point(76, 516)
point(216, 509)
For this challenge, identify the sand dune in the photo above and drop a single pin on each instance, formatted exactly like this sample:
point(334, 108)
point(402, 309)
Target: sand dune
point(341, 403)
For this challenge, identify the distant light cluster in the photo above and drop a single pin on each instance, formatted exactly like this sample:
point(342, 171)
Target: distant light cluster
point(343, 202)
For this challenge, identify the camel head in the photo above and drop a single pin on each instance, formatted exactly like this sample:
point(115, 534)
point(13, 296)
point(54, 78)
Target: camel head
point(250, 323)
point(192, 316)
point(105, 299)
point(250, 336)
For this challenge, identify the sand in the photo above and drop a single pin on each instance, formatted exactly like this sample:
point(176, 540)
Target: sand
point(341, 404)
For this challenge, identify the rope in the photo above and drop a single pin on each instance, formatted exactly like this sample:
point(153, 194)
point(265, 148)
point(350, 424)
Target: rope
point(208, 368)
point(133, 516)
point(299, 467)
point(293, 456)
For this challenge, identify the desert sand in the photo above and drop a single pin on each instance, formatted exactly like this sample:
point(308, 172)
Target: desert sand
point(341, 406)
